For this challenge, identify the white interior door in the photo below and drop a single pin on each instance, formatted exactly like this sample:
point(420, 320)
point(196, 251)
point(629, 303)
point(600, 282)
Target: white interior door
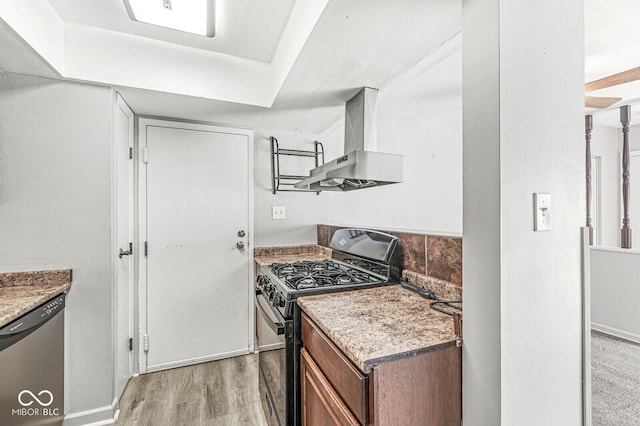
point(124, 229)
point(197, 278)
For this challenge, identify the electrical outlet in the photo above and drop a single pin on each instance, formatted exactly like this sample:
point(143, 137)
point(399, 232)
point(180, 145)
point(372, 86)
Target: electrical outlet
point(278, 213)
point(542, 212)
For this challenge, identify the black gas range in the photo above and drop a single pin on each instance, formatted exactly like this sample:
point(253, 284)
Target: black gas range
point(360, 258)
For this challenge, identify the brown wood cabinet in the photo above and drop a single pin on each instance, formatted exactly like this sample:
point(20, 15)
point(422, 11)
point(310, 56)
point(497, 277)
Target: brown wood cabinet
point(424, 389)
point(322, 404)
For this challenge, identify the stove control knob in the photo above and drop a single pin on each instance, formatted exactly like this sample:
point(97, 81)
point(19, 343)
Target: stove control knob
point(262, 280)
point(281, 302)
point(276, 299)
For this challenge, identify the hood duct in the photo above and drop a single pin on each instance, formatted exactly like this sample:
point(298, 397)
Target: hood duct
point(361, 166)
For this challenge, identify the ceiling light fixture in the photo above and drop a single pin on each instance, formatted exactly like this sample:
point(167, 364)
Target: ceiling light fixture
point(192, 16)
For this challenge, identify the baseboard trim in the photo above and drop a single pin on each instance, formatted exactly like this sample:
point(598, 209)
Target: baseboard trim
point(616, 332)
point(271, 347)
point(98, 416)
point(199, 360)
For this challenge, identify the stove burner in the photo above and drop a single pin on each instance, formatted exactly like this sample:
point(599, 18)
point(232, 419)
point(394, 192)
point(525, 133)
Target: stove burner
point(373, 267)
point(309, 274)
point(301, 282)
point(353, 277)
point(304, 267)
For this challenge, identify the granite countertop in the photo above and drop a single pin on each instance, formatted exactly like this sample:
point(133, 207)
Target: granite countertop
point(377, 325)
point(20, 292)
point(289, 254)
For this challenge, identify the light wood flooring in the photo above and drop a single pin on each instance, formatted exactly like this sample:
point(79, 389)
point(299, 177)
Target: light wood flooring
point(223, 392)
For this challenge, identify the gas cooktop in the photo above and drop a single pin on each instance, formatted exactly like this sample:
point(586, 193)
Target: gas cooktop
point(311, 274)
point(360, 258)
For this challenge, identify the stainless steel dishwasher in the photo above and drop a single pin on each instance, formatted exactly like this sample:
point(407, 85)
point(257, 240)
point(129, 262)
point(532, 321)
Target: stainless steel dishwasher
point(32, 367)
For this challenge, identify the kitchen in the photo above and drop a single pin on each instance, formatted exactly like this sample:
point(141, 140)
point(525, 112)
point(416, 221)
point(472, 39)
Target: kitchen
point(64, 212)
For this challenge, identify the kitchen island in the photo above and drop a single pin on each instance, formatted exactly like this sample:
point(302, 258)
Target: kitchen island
point(379, 356)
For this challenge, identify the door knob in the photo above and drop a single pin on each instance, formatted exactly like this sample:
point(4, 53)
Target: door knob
point(241, 233)
point(240, 245)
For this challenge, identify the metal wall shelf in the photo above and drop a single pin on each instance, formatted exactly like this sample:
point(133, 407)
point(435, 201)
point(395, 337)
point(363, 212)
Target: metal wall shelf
point(278, 179)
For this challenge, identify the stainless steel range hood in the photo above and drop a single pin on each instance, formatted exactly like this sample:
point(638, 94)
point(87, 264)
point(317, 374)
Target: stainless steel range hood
point(361, 166)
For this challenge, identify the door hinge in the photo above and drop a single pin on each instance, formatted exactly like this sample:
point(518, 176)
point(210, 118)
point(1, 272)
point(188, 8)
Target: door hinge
point(145, 155)
point(130, 153)
point(130, 343)
point(145, 342)
point(146, 248)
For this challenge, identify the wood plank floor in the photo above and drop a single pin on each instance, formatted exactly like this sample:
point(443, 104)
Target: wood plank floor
point(223, 392)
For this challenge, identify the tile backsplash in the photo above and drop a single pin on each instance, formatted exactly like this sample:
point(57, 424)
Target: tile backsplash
point(431, 255)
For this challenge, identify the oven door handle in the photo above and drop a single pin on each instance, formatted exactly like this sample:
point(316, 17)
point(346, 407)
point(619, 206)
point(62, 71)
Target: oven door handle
point(277, 327)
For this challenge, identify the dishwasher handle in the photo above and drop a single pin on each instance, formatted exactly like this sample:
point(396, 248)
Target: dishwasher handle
point(30, 322)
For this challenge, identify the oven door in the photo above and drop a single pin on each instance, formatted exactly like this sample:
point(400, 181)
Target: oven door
point(271, 339)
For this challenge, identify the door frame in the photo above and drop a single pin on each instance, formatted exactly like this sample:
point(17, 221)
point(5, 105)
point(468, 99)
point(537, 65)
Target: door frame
point(119, 104)
point(585, 257)
point(141, 142)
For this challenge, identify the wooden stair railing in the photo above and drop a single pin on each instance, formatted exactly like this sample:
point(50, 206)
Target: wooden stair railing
point(588, 127)
point(625, 233)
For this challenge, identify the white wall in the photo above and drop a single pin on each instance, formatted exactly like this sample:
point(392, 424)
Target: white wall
point(430, 198)
point(55, 189)
point(523, 94)
point(604, 143)
point(634, 138)
point(615, 292)
point(303, 210)
point(541, 266)
point(482, 355)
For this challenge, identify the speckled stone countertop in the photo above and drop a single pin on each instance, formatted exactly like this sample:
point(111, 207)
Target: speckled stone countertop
point(288, 254)
point(443, 289)
point(20, 292)
point(377, 325)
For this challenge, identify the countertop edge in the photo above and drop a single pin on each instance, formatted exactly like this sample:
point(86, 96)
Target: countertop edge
point(370, 363)
point(20, 309)
point(363, 362)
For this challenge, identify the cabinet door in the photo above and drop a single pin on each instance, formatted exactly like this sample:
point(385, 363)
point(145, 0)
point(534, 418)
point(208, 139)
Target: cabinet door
point(321, 405)
point(345, 378)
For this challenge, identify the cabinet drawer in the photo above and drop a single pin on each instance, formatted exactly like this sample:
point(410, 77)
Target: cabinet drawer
point(349, 382)
point(321, 405)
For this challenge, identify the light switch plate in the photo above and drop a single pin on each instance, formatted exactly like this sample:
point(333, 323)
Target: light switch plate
point(542, 211)
point(278, 213)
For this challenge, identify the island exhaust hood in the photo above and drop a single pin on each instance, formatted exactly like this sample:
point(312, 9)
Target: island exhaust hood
point(361, 166)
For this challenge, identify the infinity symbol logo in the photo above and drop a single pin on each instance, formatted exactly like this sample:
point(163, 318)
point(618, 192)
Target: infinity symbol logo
point(44, 404)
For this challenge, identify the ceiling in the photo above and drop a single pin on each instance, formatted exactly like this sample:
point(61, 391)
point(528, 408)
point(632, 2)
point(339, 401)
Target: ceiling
point(94, 41)
point(407, 50)
point(244, 28)
point(612, 45)
point(285, 64)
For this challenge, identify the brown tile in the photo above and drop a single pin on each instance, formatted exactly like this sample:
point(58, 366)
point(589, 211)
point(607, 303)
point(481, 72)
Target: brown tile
point(332, 230)
point(444, 258)
point(412, 252)
point(322, 232)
